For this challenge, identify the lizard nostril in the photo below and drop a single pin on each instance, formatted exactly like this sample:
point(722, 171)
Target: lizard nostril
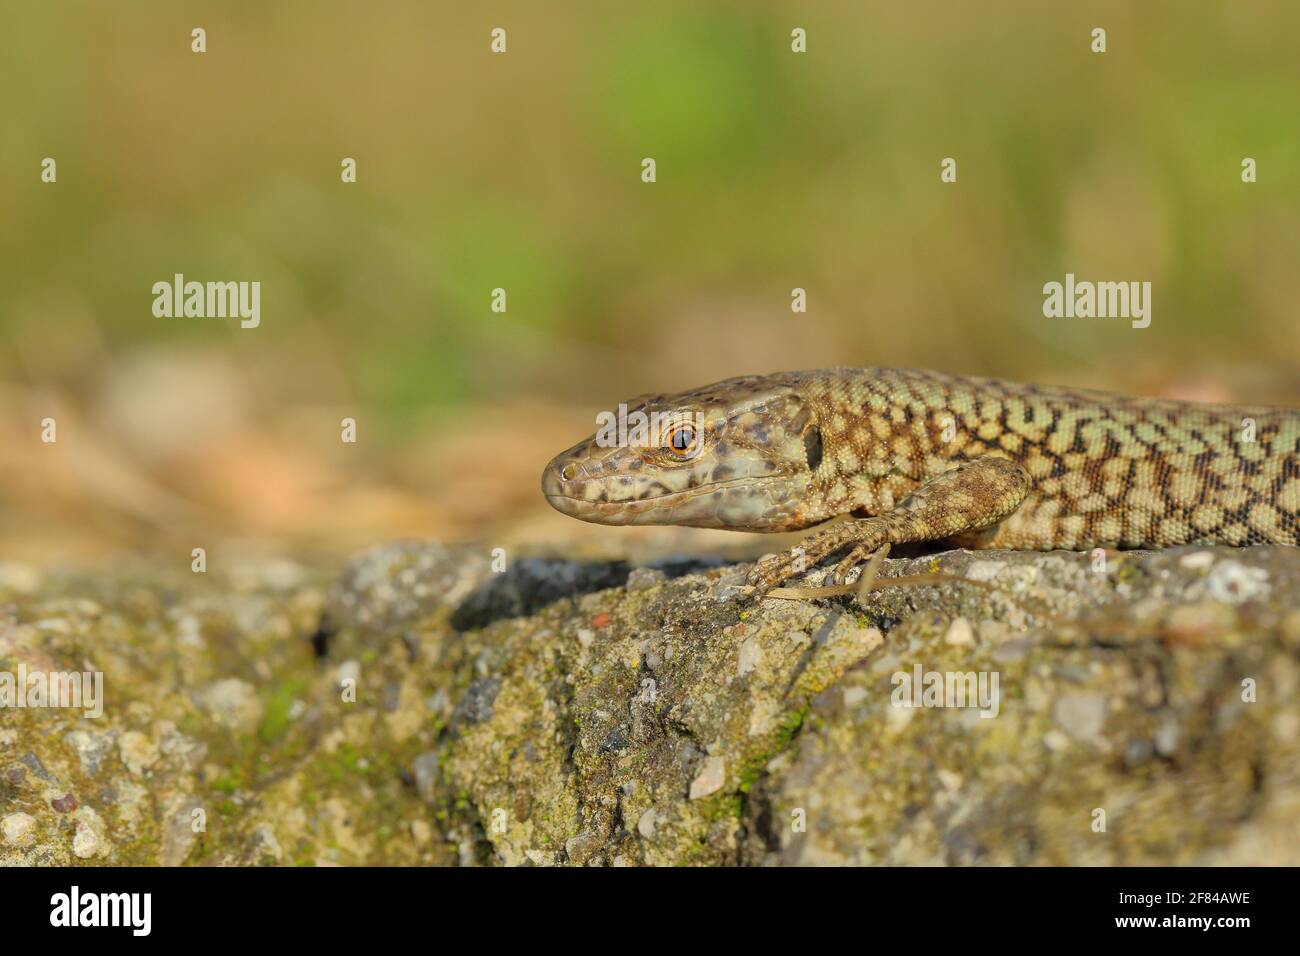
point(569, 471)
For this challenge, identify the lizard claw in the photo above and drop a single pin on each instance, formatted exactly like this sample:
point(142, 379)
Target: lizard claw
point(774, 570)
point(851, 560)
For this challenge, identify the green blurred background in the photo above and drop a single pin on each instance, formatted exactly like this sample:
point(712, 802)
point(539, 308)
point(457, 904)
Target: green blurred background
point(522, 171)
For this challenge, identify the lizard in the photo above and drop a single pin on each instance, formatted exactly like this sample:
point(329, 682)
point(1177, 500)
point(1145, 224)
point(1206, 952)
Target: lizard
point(911, 456)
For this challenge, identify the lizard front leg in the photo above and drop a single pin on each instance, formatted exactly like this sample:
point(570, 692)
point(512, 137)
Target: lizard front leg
point(972, 496)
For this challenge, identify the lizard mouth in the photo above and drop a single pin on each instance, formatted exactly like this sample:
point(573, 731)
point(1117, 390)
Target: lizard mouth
point(629, 510)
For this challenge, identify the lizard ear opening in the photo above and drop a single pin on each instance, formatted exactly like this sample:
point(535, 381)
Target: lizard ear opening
point(812, 446)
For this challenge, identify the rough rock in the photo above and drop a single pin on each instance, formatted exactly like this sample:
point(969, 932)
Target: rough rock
point(425, 709)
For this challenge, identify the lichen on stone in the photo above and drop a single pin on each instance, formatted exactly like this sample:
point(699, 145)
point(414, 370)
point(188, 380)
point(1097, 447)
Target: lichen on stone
point(423, 709)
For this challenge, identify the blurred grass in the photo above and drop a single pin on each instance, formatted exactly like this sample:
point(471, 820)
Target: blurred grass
point(522, 171)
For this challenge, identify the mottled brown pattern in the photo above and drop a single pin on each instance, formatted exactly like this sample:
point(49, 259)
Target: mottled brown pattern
point(922, 456)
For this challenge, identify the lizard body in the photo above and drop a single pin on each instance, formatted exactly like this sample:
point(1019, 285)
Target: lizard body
point(915, 456)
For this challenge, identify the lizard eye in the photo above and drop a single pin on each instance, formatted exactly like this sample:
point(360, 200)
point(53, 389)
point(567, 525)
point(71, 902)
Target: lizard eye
point(682, 441)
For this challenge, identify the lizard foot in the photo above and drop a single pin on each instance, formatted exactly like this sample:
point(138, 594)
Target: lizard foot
point(867, 535)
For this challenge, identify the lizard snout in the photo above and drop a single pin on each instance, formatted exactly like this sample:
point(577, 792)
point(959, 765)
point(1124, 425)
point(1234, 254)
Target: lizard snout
point(567, 485)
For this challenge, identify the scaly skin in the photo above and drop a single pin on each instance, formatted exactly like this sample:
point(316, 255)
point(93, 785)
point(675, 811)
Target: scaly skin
point(922, 456)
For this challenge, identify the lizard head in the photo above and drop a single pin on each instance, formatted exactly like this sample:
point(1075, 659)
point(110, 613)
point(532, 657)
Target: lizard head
point(739, 454)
